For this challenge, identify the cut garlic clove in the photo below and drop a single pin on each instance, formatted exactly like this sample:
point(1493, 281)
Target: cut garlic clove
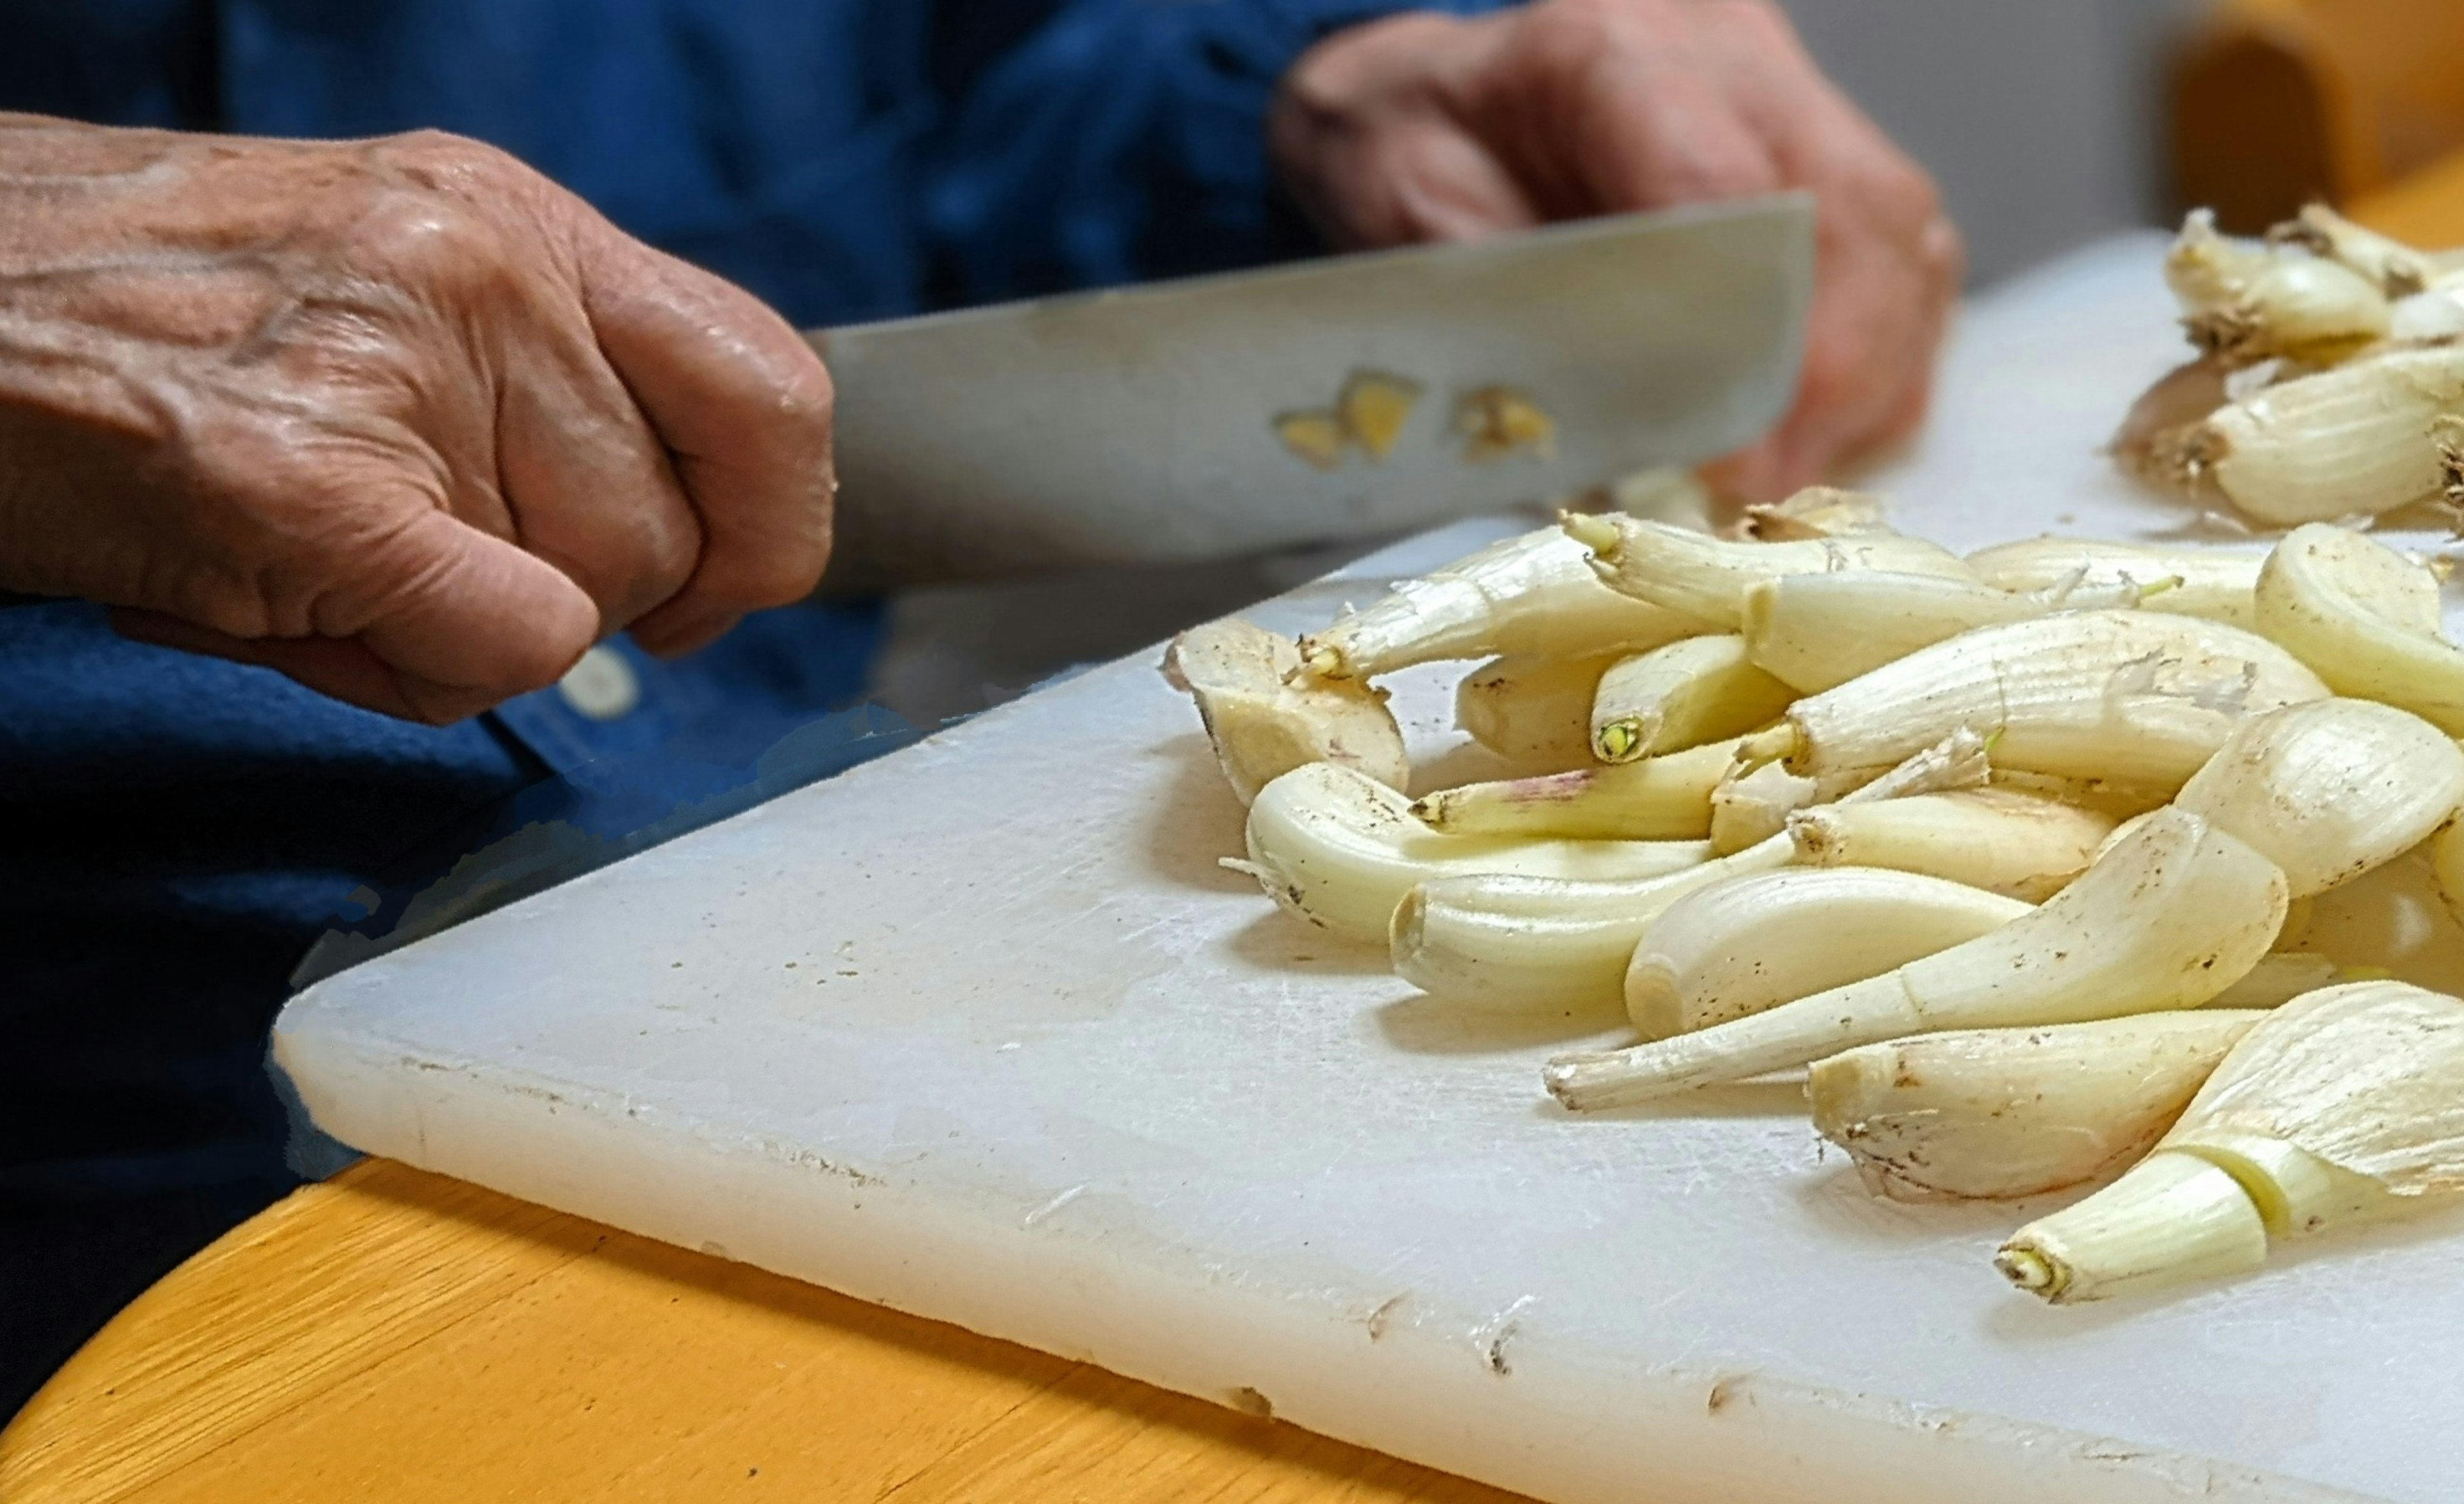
point(2345, 1104)
point(2185, 581)
point(1705, 578)
point(1991, 1114)
point(1341, 850)
point(1530, 594)
point(2160, 422)
point(2351, 440)
point(1262, 726)
point(1994, 839)
point(1740, 946)
point(2366, 618)
point(2331, 790)
point(1373, 408)
point(1531, 710)
point(2168, 919)
point(2135, 695)
point(1666, 798)
point(1667, 699)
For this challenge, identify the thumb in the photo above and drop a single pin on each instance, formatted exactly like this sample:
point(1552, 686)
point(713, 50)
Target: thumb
point(457, 621)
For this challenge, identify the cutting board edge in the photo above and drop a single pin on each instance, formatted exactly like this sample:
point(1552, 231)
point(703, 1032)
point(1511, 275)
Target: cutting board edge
point(1556, 1419)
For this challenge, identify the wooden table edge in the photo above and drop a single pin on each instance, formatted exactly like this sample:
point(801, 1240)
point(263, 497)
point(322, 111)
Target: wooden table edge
point(391, 1313)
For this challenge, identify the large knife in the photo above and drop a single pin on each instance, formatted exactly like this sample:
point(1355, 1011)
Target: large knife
point(1140, 425)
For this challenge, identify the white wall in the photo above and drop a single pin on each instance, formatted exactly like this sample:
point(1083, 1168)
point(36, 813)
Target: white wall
point(2040, 118)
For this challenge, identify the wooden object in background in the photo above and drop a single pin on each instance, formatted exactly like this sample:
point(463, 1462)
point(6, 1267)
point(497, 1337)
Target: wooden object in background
point(394, 1336)
point(2276, 102)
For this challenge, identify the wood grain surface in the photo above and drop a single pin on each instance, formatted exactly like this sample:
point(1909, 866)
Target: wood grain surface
point(397, 1336)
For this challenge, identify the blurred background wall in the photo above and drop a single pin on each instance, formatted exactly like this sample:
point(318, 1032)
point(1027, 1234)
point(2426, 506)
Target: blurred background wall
point(2042, 119)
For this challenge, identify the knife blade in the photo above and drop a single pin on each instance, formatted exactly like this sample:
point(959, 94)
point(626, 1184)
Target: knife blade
point(1137, 425)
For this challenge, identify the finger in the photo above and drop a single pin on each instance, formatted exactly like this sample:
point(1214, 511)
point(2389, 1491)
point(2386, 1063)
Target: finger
point(743, 407)
point(1434, 182)
point(590, 487)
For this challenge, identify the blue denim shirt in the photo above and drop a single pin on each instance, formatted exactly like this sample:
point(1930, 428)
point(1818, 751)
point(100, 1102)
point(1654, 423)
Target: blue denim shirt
point(178, 830)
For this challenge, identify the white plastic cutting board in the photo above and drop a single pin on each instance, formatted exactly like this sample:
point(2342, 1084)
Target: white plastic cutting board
point(981, 1032)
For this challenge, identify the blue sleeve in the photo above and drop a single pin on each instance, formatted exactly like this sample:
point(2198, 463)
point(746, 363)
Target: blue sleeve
point(1115, 140)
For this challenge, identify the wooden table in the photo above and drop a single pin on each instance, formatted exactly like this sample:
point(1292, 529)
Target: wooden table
point(394, 1335)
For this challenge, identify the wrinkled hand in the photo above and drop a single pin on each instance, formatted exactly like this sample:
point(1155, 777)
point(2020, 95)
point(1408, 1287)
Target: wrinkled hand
point(399, 418)
point(1424, 127)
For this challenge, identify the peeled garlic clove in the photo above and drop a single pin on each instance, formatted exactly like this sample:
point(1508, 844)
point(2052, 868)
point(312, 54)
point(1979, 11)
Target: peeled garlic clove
point(1988, 1113)
point(2168, 919)
point(1817, 632)
point(2331, 790)
point(1666, 798)
point(1566, 944)
point(1341, 850)
point(2186, 582)
point(2280, 977)
point(2345, 1104)
point(1538, 943)
point(1702, 689)
point(2356, 439)
point(1993, 839)
point(2135, 695)
point(1534, 711)
point(1530, 594)
point(1740, 946)
point(1705, 578)
point(2366, 618)
point(1262, 727)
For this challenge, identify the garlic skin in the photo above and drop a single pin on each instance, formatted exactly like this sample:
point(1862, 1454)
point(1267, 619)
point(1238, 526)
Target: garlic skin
point(2366, 618)
point(1665, 798)
point(2345, 1104)
point(2170, 917)
point(1532, 709)
point(2351, 440)
point(1341, 849)
point(1534, 593)
point(1702, 689)
point(1818, 511)
point(2205, 269)
point(2331, 790)
point(1705, 578)
point(2131, 695)
point(1740, 946)
point(1262, 726)
point(1567, 942)
point(1817, 632)
point(2007, 843)
point(1995, 1114)
point(2298, 307)
point(2396, 269)
point(2194, 581)
point(1751, 804)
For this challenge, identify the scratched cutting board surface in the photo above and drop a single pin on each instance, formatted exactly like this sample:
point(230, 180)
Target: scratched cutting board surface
point(980, 1030)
